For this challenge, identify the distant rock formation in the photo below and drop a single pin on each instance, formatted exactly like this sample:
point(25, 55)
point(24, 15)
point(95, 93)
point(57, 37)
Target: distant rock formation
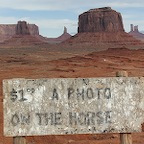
point(34, 29)
point(134, 31)
point(22, 28)
point(65, 36)
point(102, 28)
point(100, 20)
point(134, 28)
point(7, 31)
point(65, 30)
point(10, 29)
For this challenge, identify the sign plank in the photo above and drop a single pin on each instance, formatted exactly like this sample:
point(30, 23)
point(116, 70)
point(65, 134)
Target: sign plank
point(73, 106)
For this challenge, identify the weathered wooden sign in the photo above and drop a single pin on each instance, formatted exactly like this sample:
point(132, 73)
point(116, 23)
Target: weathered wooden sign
point(73, 106)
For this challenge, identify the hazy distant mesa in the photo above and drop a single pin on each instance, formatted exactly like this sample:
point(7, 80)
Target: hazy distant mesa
point(23, 28)
point(134, 31)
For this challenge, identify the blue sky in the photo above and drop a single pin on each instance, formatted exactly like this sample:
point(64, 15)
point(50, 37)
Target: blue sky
point(52, 15)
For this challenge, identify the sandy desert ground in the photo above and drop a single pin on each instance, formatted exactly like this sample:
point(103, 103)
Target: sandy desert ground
point(53, 62)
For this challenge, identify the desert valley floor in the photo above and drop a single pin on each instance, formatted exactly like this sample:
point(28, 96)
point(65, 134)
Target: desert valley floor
point(54, 62)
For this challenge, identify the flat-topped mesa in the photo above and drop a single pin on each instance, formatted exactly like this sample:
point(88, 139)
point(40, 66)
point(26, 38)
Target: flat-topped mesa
point(100, 20)
point(101, 9)
point(22, 28)
point(10, 29)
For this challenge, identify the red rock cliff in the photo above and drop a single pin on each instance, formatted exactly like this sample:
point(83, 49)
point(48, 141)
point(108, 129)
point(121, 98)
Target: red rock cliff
point(22, 28)
point(100, 20)
point(10, 29)
point(34, 29)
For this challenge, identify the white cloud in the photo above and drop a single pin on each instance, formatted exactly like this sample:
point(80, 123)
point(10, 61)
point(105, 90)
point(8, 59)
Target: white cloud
point(67, 4)
point(38, 4)
point(8, 20)
point(12, 20)
point(54, 23)
point(127, 4)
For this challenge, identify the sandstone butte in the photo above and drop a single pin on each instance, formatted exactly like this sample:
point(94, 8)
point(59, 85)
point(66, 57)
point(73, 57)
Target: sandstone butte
point(100, 20)
point(102, 26)
point(7, 31)
point(98, 53)
point(11, 32)
point(135, 33)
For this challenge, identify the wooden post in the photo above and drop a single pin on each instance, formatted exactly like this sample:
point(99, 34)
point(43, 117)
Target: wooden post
point(19, 140)
point(121, 74)
point(125, 138)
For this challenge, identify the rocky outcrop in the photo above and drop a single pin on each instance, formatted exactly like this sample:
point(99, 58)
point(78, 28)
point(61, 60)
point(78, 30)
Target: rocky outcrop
point(33, 29)
point(65, 36)
point(24, 38)
point(134, 31)
point(102, 28)
point(100, 20)
point(10, 29)
point(7, 29)
point(22, 28)
point(65, 30)
point(26, 29)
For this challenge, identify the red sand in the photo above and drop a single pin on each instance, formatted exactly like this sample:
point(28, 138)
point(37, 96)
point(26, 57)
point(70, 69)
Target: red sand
point(48, 63)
